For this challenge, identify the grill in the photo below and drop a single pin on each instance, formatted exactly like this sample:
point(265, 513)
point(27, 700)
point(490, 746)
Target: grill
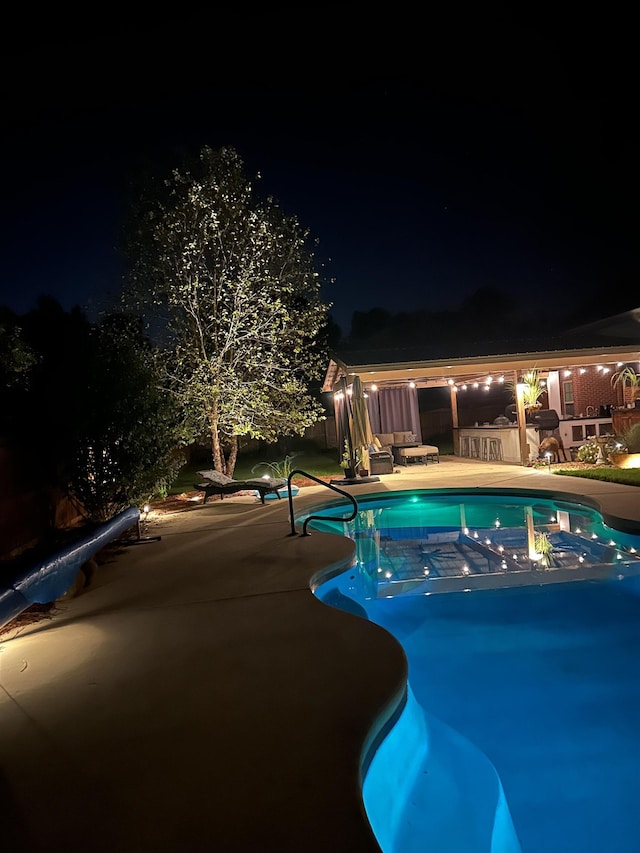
point(546, 420)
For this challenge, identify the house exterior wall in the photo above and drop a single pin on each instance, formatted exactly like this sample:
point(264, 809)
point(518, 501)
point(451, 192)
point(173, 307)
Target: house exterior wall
point(592, 388)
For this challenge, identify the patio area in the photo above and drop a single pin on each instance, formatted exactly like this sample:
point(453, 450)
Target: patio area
point(198, 697)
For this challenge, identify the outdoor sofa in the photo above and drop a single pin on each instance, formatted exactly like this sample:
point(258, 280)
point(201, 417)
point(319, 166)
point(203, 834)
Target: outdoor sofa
point(407, 447)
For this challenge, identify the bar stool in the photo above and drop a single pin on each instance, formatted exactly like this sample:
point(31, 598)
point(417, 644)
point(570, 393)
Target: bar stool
point(484, 449)
point(495, 449)
point(464, 445)
point(475, 447)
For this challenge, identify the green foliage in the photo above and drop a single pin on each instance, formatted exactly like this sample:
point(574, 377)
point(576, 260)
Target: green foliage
point(276, 469)
point(16, 356)
point(544, 547)
point(625, 476)
point(627, 377)
point(532, 388)
point(93, 412)
point(125, 451)
point(631, 438)
point(315, 462)
point(233, 285)
point(587, 453)
point(350, 458)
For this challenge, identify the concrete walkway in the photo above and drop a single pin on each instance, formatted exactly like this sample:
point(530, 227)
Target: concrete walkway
point(198, 697)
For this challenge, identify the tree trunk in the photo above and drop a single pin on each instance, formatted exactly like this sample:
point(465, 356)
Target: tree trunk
point(233, 456)
point(216, 449)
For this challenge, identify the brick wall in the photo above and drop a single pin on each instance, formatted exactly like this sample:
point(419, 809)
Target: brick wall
point(593, 388)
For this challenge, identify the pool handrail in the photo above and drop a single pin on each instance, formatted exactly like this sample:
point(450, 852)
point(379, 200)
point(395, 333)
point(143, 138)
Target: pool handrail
point(310, 517)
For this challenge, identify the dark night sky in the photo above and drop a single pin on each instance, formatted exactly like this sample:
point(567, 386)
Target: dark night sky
point(429, 160)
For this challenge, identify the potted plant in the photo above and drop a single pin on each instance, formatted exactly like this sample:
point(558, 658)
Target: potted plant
point(627, 449)
point(544, 548)
point(350, 461)
point(533, 388)
point(629, 380)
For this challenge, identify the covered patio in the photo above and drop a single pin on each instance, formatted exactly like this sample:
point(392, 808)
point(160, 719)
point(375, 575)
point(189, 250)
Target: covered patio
point(576, 372)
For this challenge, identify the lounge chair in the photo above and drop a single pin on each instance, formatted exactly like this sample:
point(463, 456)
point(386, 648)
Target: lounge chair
point(215, 483)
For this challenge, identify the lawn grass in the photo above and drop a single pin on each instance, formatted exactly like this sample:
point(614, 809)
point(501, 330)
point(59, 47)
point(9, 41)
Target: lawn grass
point(624, 476)
point(319, 463)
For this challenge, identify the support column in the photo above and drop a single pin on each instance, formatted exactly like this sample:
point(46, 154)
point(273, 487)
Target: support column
point(454, 419)
point(522, 422)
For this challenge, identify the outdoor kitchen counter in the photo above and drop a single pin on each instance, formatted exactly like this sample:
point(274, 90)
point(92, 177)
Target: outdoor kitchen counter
point(507, 434)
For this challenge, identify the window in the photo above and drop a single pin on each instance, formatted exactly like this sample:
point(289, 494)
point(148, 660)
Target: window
point(567, 397)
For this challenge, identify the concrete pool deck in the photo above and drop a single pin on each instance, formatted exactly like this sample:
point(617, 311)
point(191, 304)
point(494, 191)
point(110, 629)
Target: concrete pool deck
point(198, 697)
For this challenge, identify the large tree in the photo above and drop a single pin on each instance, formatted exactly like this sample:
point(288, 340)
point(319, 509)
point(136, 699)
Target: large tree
point(88, 411)
point(237, 301)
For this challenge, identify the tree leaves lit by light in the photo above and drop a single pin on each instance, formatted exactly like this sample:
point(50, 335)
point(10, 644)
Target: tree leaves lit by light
point(235, 292)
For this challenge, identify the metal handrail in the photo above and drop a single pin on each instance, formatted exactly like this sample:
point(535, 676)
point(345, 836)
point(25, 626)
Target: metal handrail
point(325, 517)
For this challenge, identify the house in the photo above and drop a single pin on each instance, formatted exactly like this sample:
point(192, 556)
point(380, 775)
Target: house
point(576, 367)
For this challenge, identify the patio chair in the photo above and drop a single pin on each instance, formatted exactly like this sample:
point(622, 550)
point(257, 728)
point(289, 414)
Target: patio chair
point(380, 461)
point(216, 483)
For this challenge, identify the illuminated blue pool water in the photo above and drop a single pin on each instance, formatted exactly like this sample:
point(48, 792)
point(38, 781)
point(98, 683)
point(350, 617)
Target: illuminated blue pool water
point(521, 730)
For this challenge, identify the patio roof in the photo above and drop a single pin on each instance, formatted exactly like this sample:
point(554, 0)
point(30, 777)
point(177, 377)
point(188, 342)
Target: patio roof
point(612, 340)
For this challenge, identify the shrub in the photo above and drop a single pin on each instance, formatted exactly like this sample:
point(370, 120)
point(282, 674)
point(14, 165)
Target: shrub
point(631, 438)
point(587, 453)
point(280, 469)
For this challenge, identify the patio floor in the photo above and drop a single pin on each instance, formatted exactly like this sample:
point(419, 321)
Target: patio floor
point(198, 697)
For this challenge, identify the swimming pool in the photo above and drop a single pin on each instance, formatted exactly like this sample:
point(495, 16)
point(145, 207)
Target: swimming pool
point(519, 618)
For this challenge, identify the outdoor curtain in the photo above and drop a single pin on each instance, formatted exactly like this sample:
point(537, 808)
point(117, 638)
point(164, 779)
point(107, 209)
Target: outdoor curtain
point(394, 409)
point(390, 410)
